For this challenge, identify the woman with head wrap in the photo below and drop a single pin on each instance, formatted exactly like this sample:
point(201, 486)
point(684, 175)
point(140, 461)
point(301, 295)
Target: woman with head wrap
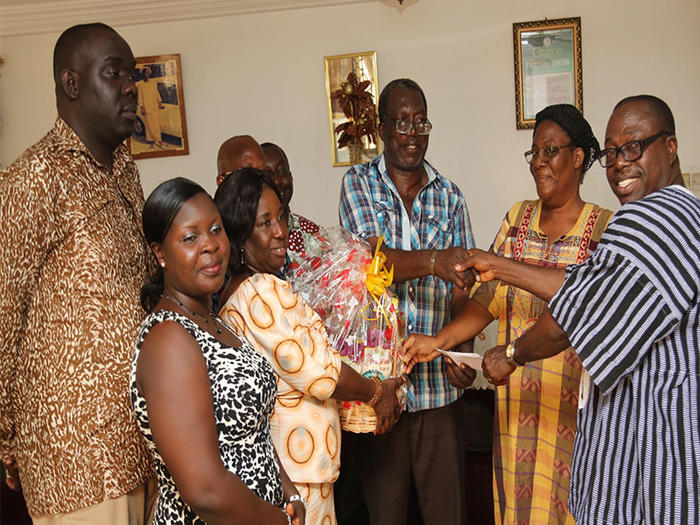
point(536, 408)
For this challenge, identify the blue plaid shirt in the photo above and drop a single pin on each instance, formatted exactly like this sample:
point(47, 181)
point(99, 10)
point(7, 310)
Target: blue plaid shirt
point(370, 206)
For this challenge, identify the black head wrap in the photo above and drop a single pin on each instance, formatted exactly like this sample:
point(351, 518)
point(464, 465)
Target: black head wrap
point(577, 127)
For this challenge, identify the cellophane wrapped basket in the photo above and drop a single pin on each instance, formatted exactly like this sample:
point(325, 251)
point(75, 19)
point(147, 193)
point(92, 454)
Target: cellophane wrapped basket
point(365, 327)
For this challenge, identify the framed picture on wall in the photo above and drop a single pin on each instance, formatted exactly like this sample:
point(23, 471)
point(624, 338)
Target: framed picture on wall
point(161, 127)
point(548, 70)
point(363, 67)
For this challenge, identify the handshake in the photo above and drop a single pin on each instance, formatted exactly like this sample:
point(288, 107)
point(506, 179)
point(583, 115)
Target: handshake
point(463, 267)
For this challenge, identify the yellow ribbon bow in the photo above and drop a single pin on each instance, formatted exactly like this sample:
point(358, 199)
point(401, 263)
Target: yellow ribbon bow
point(378, 278)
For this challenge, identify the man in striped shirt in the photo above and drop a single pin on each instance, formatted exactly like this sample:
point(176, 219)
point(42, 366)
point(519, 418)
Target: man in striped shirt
point(631, 312)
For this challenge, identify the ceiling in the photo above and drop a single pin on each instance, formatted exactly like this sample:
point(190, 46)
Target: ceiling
point(26, 17)
point(24, 2)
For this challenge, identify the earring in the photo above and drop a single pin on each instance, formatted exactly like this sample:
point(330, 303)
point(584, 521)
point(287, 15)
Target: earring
point(242, 258)
point(162, 264)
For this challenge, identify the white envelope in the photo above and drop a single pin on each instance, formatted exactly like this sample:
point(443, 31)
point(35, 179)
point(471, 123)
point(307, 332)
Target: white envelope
point(471, 360)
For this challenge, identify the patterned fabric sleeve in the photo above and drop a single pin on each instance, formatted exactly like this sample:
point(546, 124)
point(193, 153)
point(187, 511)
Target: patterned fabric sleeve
point(25, 217)
point(278, 322)
point(356, 211)
point(627, 296)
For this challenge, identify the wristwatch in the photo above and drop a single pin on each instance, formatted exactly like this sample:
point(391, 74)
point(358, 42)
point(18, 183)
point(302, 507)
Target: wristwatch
point(510, 354)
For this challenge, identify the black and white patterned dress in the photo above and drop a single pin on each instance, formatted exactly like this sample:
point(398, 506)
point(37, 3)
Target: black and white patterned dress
point(243, 387)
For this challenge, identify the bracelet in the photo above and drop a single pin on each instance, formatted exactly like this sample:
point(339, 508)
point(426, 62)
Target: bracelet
point(378, 391)
point(297, 497)
point(432, 262)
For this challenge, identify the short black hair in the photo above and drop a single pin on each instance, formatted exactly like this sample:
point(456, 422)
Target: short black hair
point(68, 43)
point(398, 83)
point(237, 199)
point(159, 212)
point(272, 145)
point(658, 107)
point(570, 119)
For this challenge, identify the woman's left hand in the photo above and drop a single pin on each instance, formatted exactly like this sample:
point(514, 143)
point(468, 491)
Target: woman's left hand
point(418, 348)
point(297, 511)
point(388, 408)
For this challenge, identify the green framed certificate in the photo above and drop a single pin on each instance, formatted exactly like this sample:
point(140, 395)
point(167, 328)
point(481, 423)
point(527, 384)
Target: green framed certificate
point(548, 70)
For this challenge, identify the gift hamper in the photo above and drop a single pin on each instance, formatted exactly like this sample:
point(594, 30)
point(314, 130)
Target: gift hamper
point(348, 287)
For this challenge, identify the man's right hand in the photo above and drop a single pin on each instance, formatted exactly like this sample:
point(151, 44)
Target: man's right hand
point(448, 266)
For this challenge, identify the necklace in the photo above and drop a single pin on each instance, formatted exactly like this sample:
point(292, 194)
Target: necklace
point(206, 320)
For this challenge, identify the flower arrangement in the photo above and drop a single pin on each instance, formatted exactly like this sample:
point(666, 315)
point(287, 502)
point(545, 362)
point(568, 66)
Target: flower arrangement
point(357, 103)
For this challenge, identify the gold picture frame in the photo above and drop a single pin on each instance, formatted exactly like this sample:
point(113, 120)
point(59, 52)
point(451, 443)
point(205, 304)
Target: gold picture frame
point(548, 68)
point(337, 68)
point(161, 126)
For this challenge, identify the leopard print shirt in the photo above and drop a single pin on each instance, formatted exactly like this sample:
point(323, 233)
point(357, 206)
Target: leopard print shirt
point(74, 259)
point(243, 388)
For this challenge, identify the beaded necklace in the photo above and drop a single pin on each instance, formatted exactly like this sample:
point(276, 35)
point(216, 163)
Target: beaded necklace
point(207, 320)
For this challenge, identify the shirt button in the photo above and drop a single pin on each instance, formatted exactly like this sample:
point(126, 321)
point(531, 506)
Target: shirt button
point(410, 289)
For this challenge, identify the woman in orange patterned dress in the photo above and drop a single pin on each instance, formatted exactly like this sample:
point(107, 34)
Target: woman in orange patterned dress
point(536, 410)
point(277, 321)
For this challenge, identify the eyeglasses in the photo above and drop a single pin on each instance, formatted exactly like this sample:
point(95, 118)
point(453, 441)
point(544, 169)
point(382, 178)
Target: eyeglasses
point(630, 150)
point(405, 126)
point(544, 154)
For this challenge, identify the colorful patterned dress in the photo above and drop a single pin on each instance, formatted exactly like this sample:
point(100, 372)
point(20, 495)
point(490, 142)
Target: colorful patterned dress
point(304, 424)
point(536, 410)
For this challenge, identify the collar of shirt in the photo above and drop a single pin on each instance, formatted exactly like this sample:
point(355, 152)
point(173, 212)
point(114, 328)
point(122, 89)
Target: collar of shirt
point(69, 140)
point(123, 165)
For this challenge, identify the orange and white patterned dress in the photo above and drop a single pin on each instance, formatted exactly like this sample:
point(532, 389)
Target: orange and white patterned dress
point(304, 424)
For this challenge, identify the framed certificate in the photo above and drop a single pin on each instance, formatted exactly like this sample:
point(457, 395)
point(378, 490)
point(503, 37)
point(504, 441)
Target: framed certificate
point(548, 69)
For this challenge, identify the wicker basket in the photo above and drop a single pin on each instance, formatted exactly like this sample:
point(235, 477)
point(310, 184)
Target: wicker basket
point(357, 417)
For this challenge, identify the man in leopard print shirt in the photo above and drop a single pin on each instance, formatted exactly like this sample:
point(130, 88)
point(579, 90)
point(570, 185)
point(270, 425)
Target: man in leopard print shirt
point(74, 259)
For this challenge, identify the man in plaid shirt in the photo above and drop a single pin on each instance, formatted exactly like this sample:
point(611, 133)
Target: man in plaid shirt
point(425, 223)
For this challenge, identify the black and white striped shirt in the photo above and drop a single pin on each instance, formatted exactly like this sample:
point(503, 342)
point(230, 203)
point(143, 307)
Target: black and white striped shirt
point(631, 313)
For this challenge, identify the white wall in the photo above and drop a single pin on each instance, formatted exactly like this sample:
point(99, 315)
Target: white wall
point(263, 74)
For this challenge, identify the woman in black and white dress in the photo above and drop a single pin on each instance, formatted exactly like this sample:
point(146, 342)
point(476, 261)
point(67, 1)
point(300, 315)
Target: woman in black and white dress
point(201, 394)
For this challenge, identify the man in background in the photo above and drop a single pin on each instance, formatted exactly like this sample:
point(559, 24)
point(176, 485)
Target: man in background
point(303, 233)
point(241, 151)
